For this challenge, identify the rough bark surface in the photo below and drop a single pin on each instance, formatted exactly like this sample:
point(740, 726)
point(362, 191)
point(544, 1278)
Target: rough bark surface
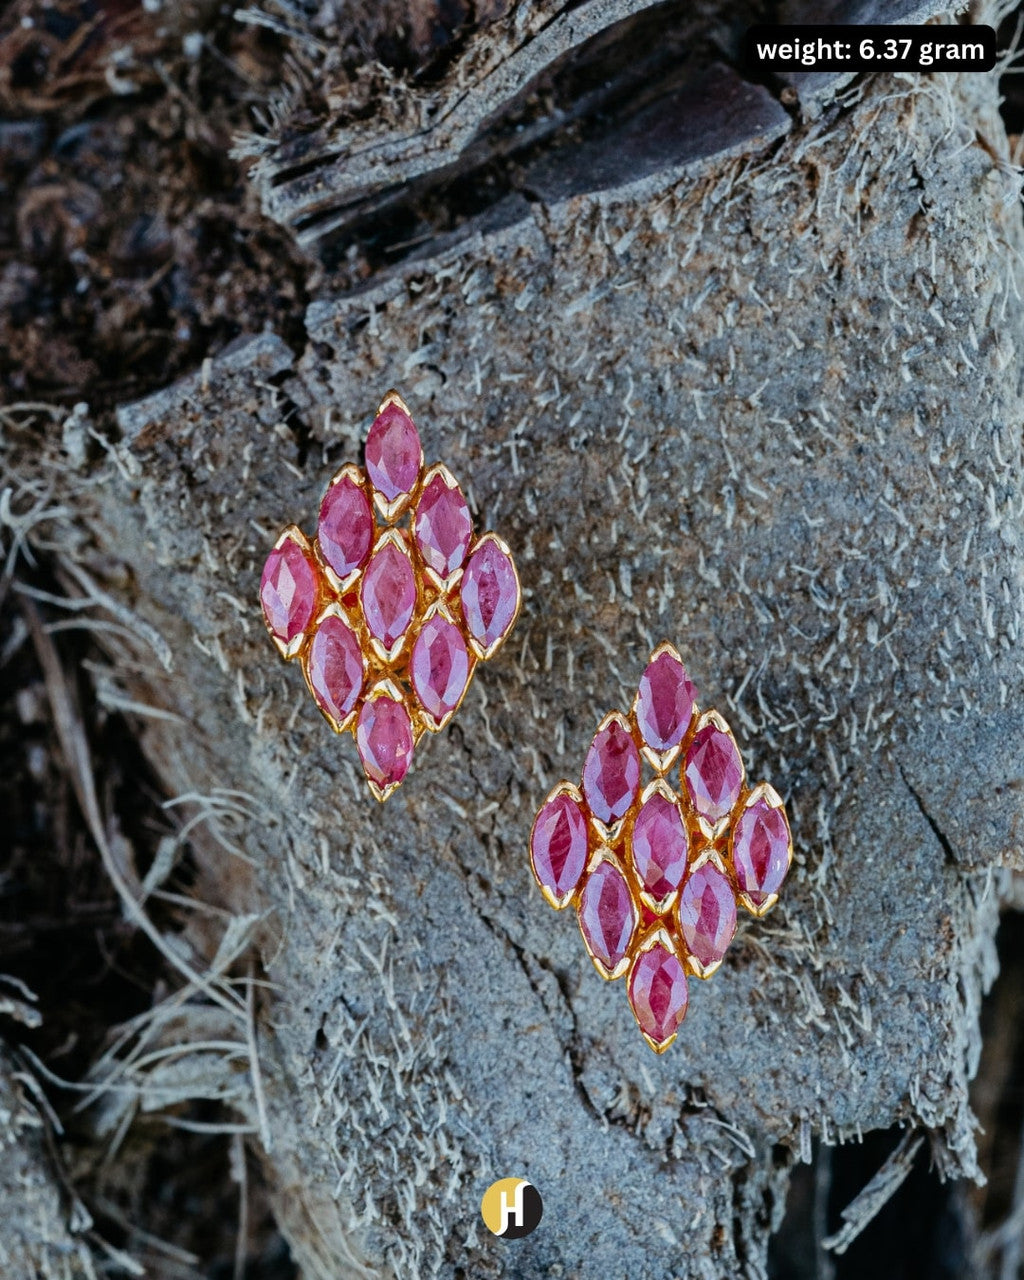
point(40, 1236)
point(767, 407)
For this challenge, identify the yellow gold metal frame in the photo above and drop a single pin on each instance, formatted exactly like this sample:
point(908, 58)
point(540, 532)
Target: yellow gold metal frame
point(660, 761)
point(712, 831)
point(573, 792)
point(763, 790)
point(389, 670)
point(707, 843)
point(391, 510)
point(386, 689)
point(648, 942)
point(441, 609)
point(294, 646)
point(686, 957)
point(392, 538)
point(610, 833)
point(341, 586)
point(442, 584)
point(604, 854)
point(660, 787)
point(707, 853)
point(333, 610)
point(481, 652)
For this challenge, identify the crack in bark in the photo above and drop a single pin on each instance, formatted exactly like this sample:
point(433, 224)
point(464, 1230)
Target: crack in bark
point(939, 834)
point(573, 1049)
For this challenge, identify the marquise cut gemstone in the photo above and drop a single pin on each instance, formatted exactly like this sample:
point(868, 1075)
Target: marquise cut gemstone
point(388, 594)
point(611, 772)
point(345, 527)
point(288, 591)
point(490, 594)
point(384, 739)
point(558, 845)
point(606, 913)
point(664, 702)
point(659, 845)
point(335, 667)
point(443, 526)
point(713, 773)
point(394, 454)
point(707, 914)
point(761, 851)
point(658, 993)
point(440, 667)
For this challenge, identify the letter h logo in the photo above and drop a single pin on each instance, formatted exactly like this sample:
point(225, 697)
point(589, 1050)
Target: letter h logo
point(513, 1210)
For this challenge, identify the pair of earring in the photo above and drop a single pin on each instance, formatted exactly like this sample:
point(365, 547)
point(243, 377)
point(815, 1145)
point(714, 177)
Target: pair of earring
point(388, 610)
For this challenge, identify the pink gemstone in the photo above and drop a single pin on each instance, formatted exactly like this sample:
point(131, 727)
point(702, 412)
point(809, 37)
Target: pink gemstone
point(443, 526)
point(439, 667)
point(288, 591)
point(658, 993)
point(345, 529)
point(761, 851)
point(707, 914)
point(611, 772)
point(659, 846)
point(558, 845)
point(713, 772)
point(394, 454)
point(388, 594)
point(384, 738)
point(606, 914)
point(490, 594)
point(664, 702)
point(335, 667)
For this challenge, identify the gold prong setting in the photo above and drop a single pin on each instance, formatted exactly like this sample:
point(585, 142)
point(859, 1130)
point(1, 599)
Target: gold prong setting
point(376, 608)
point(656, 871)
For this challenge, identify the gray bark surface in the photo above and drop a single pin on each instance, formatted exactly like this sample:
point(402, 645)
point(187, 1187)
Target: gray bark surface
point(42, 1231)
point(764, 402)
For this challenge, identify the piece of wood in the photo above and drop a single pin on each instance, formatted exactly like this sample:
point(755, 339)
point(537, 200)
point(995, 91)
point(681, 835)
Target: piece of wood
point(318, 177)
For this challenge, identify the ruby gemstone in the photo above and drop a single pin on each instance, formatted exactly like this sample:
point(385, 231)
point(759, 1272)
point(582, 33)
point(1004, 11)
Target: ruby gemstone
point(384, 738)
point(345, 528)
point(659, 846)
point(761, 851)
point(335, 667)
point(490, 594)
point(707, 914)
point(658, 993)
point(394, 454)
point(439, 667)
point(558, 845)
point(606, 913)
point(388, 594)
point(288, 591)
point(713, 772)
point(443, 526)
point(611, 772)
point(664, 702)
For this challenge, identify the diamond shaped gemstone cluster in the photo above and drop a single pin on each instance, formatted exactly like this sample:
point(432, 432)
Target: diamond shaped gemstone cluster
point(391, 605)
point(656, 871)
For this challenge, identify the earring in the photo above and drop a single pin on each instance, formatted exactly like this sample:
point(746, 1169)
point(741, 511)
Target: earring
point(656, 875)
point(391, 605)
